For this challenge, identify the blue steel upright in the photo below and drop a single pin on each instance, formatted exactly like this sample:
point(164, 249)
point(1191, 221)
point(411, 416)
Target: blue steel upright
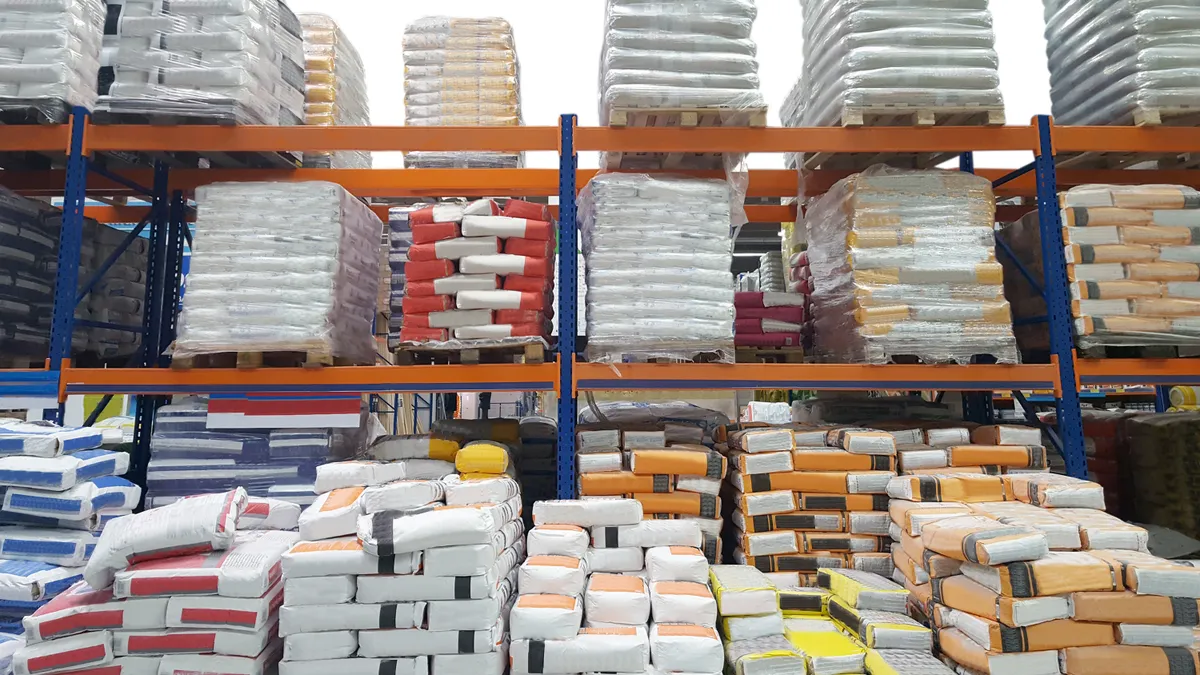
point(568, 248)
point(977, 405)
point(70, 238)
point(1058, 306)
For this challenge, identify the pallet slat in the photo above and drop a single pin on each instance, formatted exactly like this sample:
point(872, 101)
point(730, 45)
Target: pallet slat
point(677, 117)
point(526, 352)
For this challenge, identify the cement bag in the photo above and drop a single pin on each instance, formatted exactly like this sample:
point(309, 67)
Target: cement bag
point(214, 611)
point(873, 523)
point(773, 655)
point(473, 559)
point(1099, 530)
point(605, 650)
point(491, 663)
point(685, 602)
point(553, 574)
point(881, 630)
point(1121, 660)
point(418, 587)
point(961, 593)
point(477, 614)
point(184, 664)
point(336, 644)
point(676, 563)
point(1061, 533)
point(1130, 607)
point(247, 570)
point(615, 559)
point(904, 662)
point(80, 652)
point(863, 590)
point(401, 495)
point(797, 601)
point(750, 627)
point(194, 641)
point(601, 462)
point(827, 653)
point(686, 648)
point(417, 641)
point(482, 457)
point(357, 666)
point(598, 440)
point(28, 581)
point(333, 514)
point(335, 557)
point(1051, 490)
point(762, 440)
point(421, 446)
point(44, 439)
point(319, 590)
point(968, 653)
point(63, 472)
point(783, 542)
point(68, 548)
point(204, 523)
point(389, 533)
point(567, 540)
point(76, 503)
point(617, 599)
point(1057, 573)
point(1051, 635)
point(873, 563)
point(545, 617)
point(862, 441)
point(983, 540)
point(649, 533)
point(349, 616)
point(269, 514)
point(337, 475)
point(947, 488)
point(1145, 574)
point(81, 609)
point(912, 516)
point(1152, 636)
point(1006, 434)
point(766, 503)
point(741, 591)
point(588, 513)
point(831, 521)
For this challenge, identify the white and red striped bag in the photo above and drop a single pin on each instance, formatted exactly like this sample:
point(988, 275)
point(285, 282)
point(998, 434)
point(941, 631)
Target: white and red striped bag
point(500, 300)
point(438, 213)
point(418, 334)
point(424, 304)
point(500, 331)
point(504, 264)
point(453, 249)
point(533, 248)
point(506, 227)
point(521, 282)
point(454, 318)
point(82, 609)
point(428, 270)
point(453, 284)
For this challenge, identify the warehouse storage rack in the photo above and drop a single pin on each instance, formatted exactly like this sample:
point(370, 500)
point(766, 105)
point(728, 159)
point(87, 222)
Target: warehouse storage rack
point(75, 145)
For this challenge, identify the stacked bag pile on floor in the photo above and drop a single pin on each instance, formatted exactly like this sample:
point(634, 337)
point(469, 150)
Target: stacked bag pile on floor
point(931, 448)
point(461, 72)
point(658, 254)
point(478, 273)
point(752, 623)
point(1118, 63)
point(236, 63)
point(605, 591)
point(673, 477)
point(1132, 267)
point(335, 89)
point(186, 457)
point(904, 264)
point(768, 319)
point(1163, 471)
point(50, 59)
point(59, 491)
point(190, 587)
point(252, 289)
point(537, 461)
point(806, 499)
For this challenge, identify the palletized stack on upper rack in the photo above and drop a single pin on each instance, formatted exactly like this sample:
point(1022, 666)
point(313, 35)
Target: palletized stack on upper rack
point(768, 319)
point(59, 491)
point(335, 88)
point(49, 58)
point(808, 499)
point(918, 59)
point(461, 72)
point(478, 273)
point(118, 297)
point(658, 254)
point(237, 62)
point(1121, 62)
point(904, 264)
point(1132, 265)
point(282, 267)
point(171, 590)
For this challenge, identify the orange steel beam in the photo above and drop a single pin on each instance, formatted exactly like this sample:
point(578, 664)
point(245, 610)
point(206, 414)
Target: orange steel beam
point(833, 139)
point(1126, 139)
point(36, 138)
point(1166, 372)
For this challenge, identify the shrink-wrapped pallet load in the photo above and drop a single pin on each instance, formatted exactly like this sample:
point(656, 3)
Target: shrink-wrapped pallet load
point(251, 289)
point(49, 58)
point(658, 254)
point(1164, 471)
point(335, 91)
point(461, 72)
point(904, 264)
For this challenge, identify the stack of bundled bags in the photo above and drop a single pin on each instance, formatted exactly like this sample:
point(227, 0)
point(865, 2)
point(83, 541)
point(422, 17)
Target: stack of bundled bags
point(479, 272)
point(59, 491)
point(254, 287)
point(50, 58)
point(931, 448)
point(186, 457)
point(1161, 473)
point(1025, 573)
point(400, 239)
point(405, 565)
point(335, 91)
point(903, 264)
point(673, 476)
point(658, 253)
point(1132, 267)
point(237, 63)
point(461, 72)
point(118, 297)
point(537, 461)
point(1119, 63)
point(768, 319)
point(806, 499)
point(752, 621)
point(190, 587)
point(915, 57)
point(1106, 438)
point(605, 591)
point(771, 277)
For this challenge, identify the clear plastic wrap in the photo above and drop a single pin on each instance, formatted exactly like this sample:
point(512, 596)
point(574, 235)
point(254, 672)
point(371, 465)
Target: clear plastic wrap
point(49, 58)
point(1132, 267)
point(231, 61)
point(461, 72)
point(281, 267)
point(903, 265)
point(926, 54)
point(658, 253)
point(1122, 61)
point(335, 91)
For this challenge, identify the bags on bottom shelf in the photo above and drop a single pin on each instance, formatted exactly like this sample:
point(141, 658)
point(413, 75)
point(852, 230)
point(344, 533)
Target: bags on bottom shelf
point(605, 650)
point(357, 666)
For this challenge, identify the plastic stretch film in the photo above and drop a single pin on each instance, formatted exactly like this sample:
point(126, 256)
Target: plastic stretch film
point(335, 89)
point(49, 57)
point(905, 265)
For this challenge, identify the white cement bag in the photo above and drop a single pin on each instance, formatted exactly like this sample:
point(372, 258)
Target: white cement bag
point(676, 563)
point(568, 540)
point(76, 503)
point(601, 462)
point(45, 439)
point(357, 666)
point(385, 534)
point(81, 609)
point(335, 644)
point(333, 514)
point(269, 514)
point(190, 664)
point(461, 492)
point(472, 560)
point(247, 570)
point(649, 533)
point(401, 495)
point(67, 548)
point(479, 614)
point(491, 663)
point(617, 599)
point(192, 641)
point(337, 475)
point(607, 650)
point(615, 559)
point(682, 602)
point(319, 591)
point(205, 523)
point(418, 587)
point(545, 617)
point(213, 611)
point(334, 557)
point(553, 574)
point(588, 513)
point(349, 616)
point(70, 653)
point(751, 627)
point(61, 473)
point(417, 641)
point(30, 581)
point(686, 648)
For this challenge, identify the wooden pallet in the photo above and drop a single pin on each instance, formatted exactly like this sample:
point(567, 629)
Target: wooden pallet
point(207, 159)
point(770, 355)
point(246, 360)
point(678, 117)
point(526, 352)
point(903, 116)
point(1143, 352)
point(1184, 116)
